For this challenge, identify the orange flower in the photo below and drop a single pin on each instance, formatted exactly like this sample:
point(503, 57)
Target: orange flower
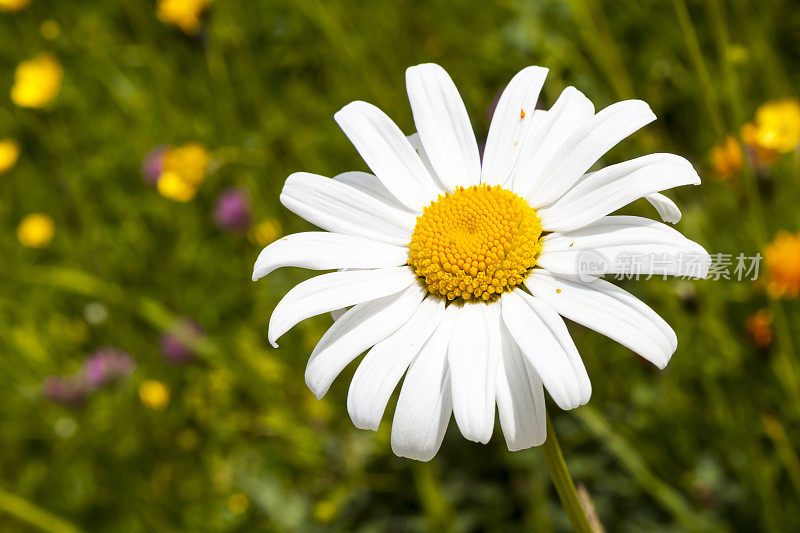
point(782, 259)
point(759, 327)
point(726, 158)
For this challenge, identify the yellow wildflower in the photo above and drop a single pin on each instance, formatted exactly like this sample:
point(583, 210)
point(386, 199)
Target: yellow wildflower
point(154, 394)
point(760, 154)
point(726, 158)
point(759, 326)
point(778, 125)
point(191, 160)
point(183, 172)
point(184, 14)
point(264, 232)
point(36, 230)
point(172, 185)
point(13, 5)
point(782, 260)
point(9, 153)
point(36, 81)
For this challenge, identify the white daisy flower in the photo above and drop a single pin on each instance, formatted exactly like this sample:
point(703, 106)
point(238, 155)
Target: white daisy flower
point(456, 272)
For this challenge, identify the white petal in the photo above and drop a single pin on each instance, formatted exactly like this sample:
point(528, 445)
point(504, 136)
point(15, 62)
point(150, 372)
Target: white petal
point(338, 208)
point(384, 365)
point(388, 153)
point(545, 342)
point(548, 133)
point(319, 250)
point(666, 208)
point(607, 309)
point(336, 314)
point(322, 294)
point(371, 185)
point(611, 188)
point(443, 125)
point(425, 403)
point(473, 356)
point(585, 146)
point(615, 244)
point(356, 330)
point(513, 118)
point(520, 399)
point(417, 144)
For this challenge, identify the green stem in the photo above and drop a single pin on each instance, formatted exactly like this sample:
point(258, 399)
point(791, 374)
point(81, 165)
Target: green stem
point(438, 513)
point(32, 515)
point(696, 53)
point(563, 482)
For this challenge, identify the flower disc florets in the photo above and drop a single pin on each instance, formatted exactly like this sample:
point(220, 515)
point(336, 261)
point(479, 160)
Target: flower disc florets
point(475, 243)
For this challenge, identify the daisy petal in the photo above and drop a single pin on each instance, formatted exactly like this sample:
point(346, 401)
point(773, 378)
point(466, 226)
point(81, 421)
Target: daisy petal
point(586, 145)
point(520, 399)
point(545, 342)
point(320, 250)
point(324, 293)
point(513, 118)
point(425, 403)
point(338, 208)
point(371, 185)
point(548, 133)
point(666, 208)
point(607, 309)
point(606, 190)
point(473, 356)
point(355, 331)
point(384, 365)
point(609, 245)
point(416, 143)
point(443, 125)
point(388, 153)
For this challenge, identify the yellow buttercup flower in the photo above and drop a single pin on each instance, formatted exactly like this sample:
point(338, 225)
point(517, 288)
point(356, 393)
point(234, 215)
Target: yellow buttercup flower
point(726, 158)
point(184, 14)
point(264, 232)
point(9, 153)
point(778, 124)
point(154, 394)
point(782, 260)
point(190, 160)
point(183, 172)
point(13, 5)
point(172, 185)
point(760, 154)
point(36, 230)
point(36, 81)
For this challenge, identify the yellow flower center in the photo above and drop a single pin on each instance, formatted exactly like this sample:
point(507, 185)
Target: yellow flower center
point(475, 243)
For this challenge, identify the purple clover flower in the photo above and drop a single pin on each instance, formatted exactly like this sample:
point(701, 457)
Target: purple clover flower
point(232, 212)
point(66, 391)
point(106, 365)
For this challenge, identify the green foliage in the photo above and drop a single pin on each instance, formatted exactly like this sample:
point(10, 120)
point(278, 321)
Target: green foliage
point(708, 444)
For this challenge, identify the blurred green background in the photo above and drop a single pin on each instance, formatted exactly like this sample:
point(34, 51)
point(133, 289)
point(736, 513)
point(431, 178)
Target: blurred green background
point(217, 431)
